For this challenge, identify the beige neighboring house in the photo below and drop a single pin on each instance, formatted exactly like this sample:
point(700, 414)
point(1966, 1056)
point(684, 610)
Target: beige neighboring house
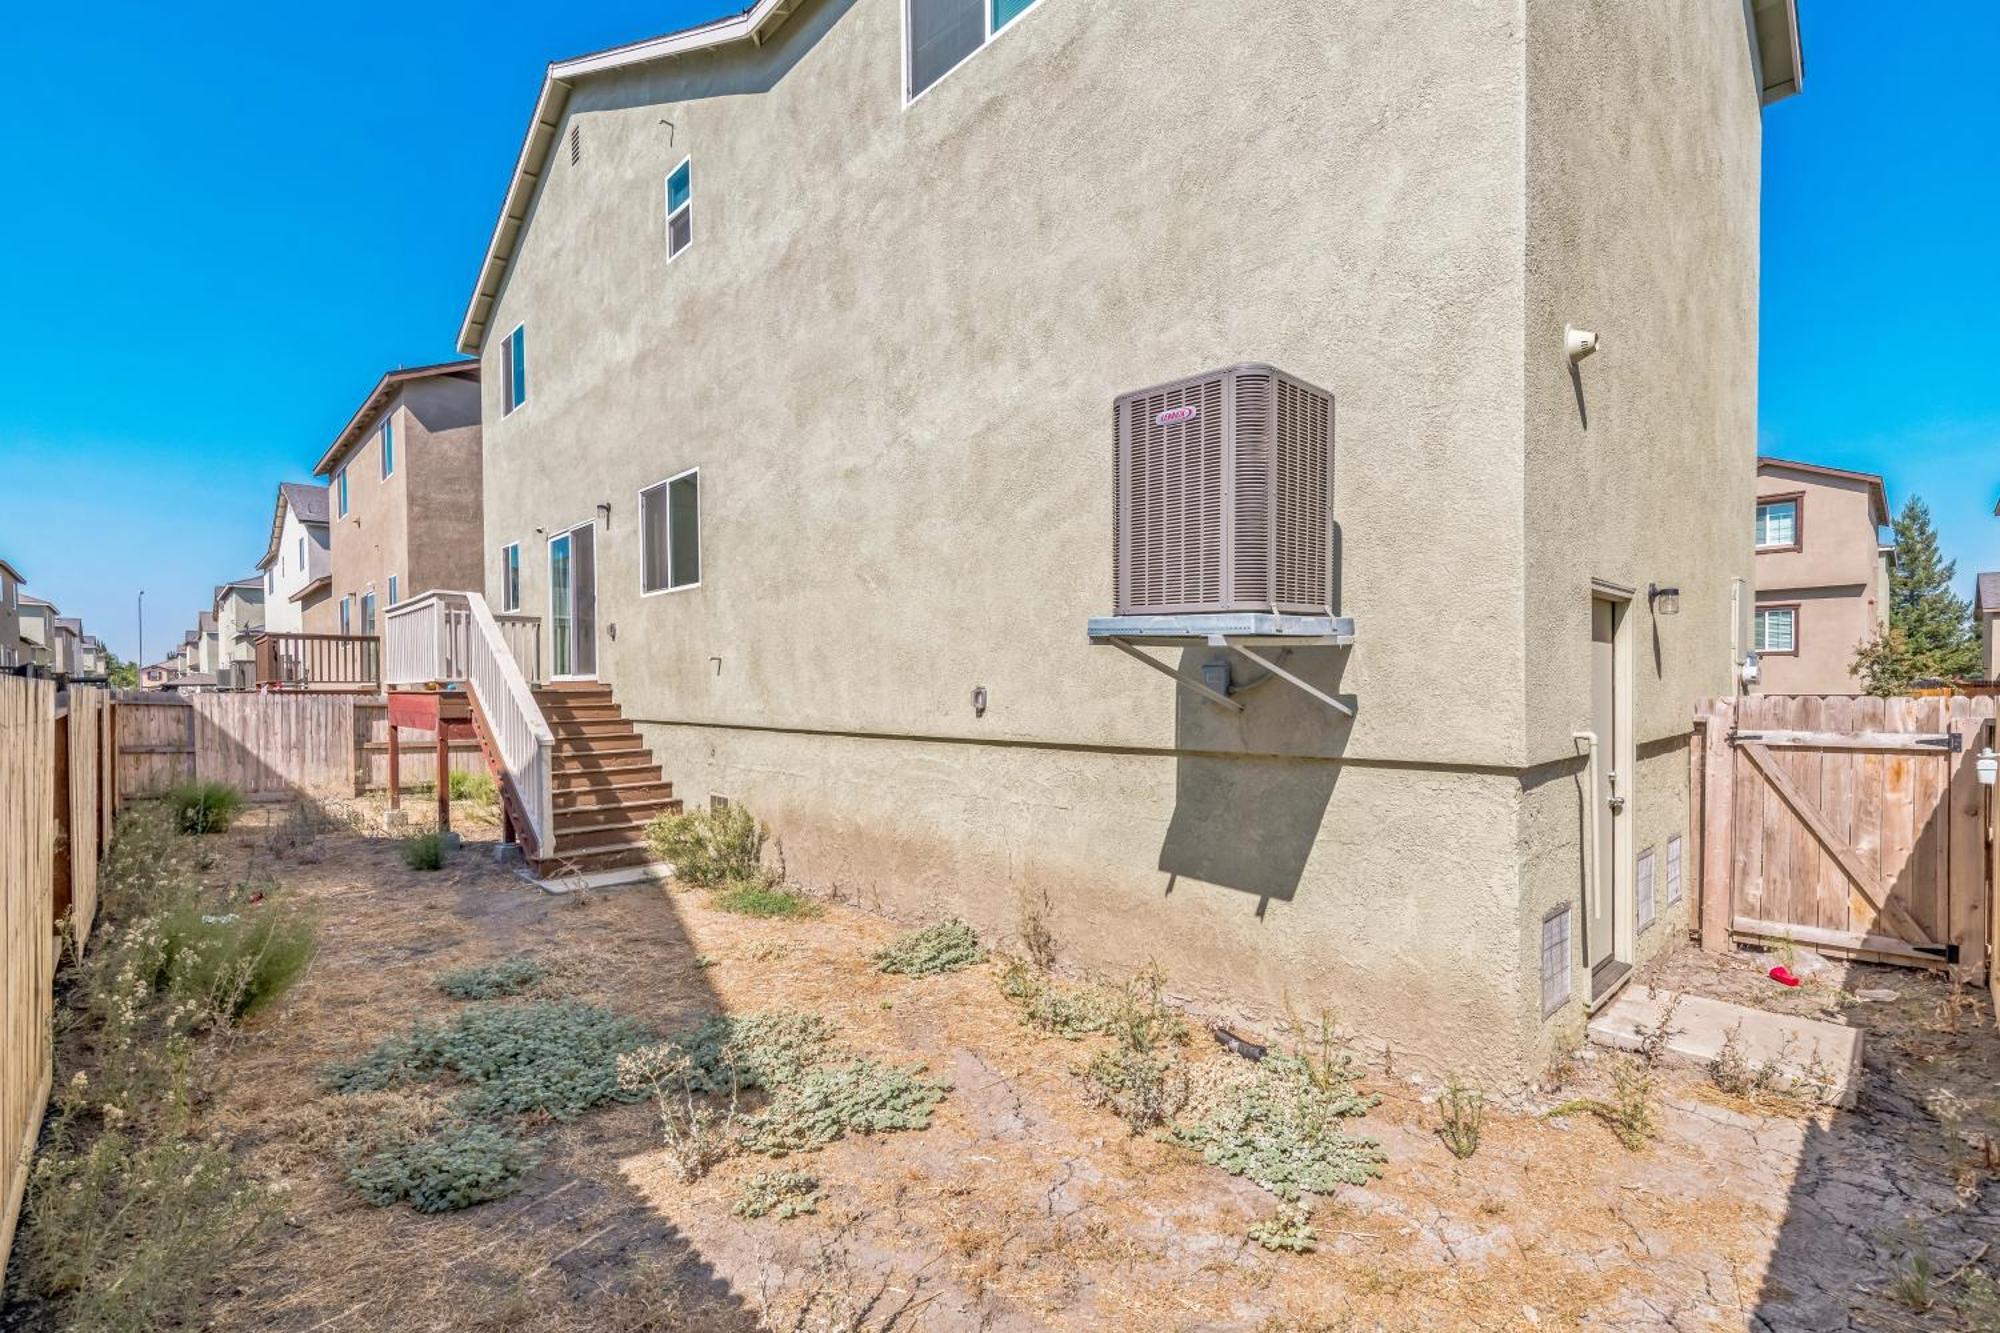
point(1822, 575)
point(297, 567)
point(239, 620)
point(404, 490)
point(96, 660)
point(68, 645)
point(12, 651)
point(1985, 608)
point(38, 631)
point(803, 332)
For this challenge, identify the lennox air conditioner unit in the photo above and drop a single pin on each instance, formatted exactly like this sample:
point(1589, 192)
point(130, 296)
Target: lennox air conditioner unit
point(1225, 496)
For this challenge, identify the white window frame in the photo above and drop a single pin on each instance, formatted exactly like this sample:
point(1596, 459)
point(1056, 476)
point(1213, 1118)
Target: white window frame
point(666, 186)
point(1757, 636)
point(986, 8)
point(1791, 501)
point(370, 609)
point(347, 615)
point(394, 588)
point(510, 578)
point(302, 555)
point(700, 526)
point(340, 490)
point(385, 441)
point(508, 407)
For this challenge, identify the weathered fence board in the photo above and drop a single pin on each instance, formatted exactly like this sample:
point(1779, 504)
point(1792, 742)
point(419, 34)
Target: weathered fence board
point(1856, 825)
point(28, 784)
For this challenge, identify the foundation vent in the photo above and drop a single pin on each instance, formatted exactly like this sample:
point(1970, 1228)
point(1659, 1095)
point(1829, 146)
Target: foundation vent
point(1225, 495)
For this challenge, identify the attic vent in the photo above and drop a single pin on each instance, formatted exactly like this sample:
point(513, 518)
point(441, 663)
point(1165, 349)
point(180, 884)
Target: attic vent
point(575, 144)
point(1225, 495)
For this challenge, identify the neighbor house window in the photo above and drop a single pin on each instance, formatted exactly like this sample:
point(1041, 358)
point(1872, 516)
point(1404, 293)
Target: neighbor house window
point(1777, 524)
point(670, 534)
point(388, 447)
point(340, 491)
point(942, 33)
point(680, 208)
point(347, 614)
point(1777, 629)
point(392, 590)
point(302, 555)
point(514, 369)
point(368, 613)
point(510, 577)
point(1555, 959)
point(271, 579)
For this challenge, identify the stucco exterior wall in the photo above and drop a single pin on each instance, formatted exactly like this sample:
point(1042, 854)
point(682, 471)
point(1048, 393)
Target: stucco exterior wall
point(1836, 579)
point(288, 573)
point(892, 349)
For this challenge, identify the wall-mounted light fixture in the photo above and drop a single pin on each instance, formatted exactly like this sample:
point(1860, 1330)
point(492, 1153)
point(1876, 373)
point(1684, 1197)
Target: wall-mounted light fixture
point(1664, 601)
point(604, 507)
point(979, 701)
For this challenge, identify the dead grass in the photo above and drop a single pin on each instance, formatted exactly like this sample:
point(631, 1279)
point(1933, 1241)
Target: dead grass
point(1023, 1205)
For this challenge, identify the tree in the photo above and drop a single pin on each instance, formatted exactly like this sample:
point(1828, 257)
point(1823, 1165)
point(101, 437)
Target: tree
point(1930, 633)
point(124, 675)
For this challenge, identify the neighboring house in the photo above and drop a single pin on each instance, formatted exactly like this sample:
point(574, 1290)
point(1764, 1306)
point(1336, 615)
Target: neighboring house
point(11, 651)
point(96, 662)
point(158, 675)
point(38, 631)
point(297, 568)
point(1985, 607)
point(403, 477)
point(801, 360)
point(239, 619)
point(69, 646)
point(1822, 575)
point(208, 652)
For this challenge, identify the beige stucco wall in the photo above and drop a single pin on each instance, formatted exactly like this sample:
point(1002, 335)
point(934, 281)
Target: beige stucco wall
point(421, 523)
point(1836, 579)
point(892, 350)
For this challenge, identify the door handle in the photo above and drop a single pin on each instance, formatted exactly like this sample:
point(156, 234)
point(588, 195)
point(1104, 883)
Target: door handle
point(1617, 804)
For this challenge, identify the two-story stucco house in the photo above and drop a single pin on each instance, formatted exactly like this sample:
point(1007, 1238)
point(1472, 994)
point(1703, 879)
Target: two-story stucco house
point(1822, 574)
point(404, 490)
point(297, 565)
point(238, 620)
point(803, 333)
point(38, 631)
point(12, 653)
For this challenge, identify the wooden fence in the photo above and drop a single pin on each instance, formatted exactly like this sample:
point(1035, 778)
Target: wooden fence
point(57, 805)
point(271, 746)
point(1856, 826)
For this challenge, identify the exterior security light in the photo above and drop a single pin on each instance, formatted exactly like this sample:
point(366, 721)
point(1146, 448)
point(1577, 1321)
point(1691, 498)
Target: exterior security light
point(1578, 343)
point(1988, 765)
point(1664, 601)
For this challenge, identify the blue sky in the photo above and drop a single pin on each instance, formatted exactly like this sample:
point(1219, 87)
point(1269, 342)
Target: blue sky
point(225, 224)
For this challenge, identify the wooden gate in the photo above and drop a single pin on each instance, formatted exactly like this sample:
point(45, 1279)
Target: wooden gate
point(1855, 826)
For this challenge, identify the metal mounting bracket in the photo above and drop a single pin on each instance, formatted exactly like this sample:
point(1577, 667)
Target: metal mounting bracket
point(1337, 705)
point(1129, 650)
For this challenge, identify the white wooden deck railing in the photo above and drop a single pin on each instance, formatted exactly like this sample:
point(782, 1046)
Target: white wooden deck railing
point(453, 638)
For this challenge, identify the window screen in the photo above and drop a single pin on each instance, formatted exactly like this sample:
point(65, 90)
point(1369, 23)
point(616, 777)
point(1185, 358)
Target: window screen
point(393, 598)
point(368, 613)
point(1555, 959)
point(388, 447)
point(1006, 11)
point(670, 534)
point(1777, 630)
point(1648, 907)
point(653, 539)
point(1778, 524)
point(942, 33)
point(1674, 869)
point(514, 364)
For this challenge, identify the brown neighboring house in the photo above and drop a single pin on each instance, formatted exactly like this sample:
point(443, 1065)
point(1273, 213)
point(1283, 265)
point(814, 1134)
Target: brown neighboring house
point(404, 484)
point(1822, 574)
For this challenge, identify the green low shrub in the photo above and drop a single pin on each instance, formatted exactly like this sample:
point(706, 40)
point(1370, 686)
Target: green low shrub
point(711, 849)
point(490, 981)
point(237, 962)
point(1289, 1229)
point(741, 1053)
point(948, 946)
point(755, 898)
point(831, 1101)
point(452, 1167)
point(473, 787)
point(1282, 1127)
point(424, 851)
point(1048, 1005)
point(204, 807)
point(789, 1194)
point(559, 1058)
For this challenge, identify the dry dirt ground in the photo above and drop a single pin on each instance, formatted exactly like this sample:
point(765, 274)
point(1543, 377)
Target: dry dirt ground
point(1024, 1206)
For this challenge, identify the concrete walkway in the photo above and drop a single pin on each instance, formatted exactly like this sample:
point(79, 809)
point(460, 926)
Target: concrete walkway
point(1697, 1027)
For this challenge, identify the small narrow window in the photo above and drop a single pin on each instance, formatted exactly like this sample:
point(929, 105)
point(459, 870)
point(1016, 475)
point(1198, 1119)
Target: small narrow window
point(1777, 630)
point(670, 534)
point(271, 579)
point(347, 614)
point(1673, 869)
point(1777, 524)
point(392, 590)
point(1555, 959)
point(680, 208)
point(302, 555)
point(1648, 906)
point(388, 447)
point(514, 368)
point(368, 613)
point(510, 577)
point(340, 488)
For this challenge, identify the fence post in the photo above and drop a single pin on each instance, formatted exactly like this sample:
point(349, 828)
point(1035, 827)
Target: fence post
point(1718, 807)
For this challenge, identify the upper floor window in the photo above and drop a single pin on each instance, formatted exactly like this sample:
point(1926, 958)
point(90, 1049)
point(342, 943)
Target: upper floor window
point(393, 599)
point(510, 577)
point(388, 447)
point(1777, 629)
point(368, 613)
point(340, 493)
point(670, 534)
point(1778, 524)
point(940, 34)
point(514, 369)
point(680, 208)
point(302, 555)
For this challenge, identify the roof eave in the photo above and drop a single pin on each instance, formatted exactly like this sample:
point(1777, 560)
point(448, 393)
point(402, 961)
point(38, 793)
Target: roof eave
point(372, 405)
point(753, 24)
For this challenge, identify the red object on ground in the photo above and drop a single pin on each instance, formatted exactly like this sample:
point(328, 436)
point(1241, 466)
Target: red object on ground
point(1783, 976)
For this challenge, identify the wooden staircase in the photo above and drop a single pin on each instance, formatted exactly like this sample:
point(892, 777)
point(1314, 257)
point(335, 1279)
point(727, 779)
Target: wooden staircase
point(605, 787)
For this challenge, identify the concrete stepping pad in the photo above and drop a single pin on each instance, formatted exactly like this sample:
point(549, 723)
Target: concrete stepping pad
point(1699, 1026)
